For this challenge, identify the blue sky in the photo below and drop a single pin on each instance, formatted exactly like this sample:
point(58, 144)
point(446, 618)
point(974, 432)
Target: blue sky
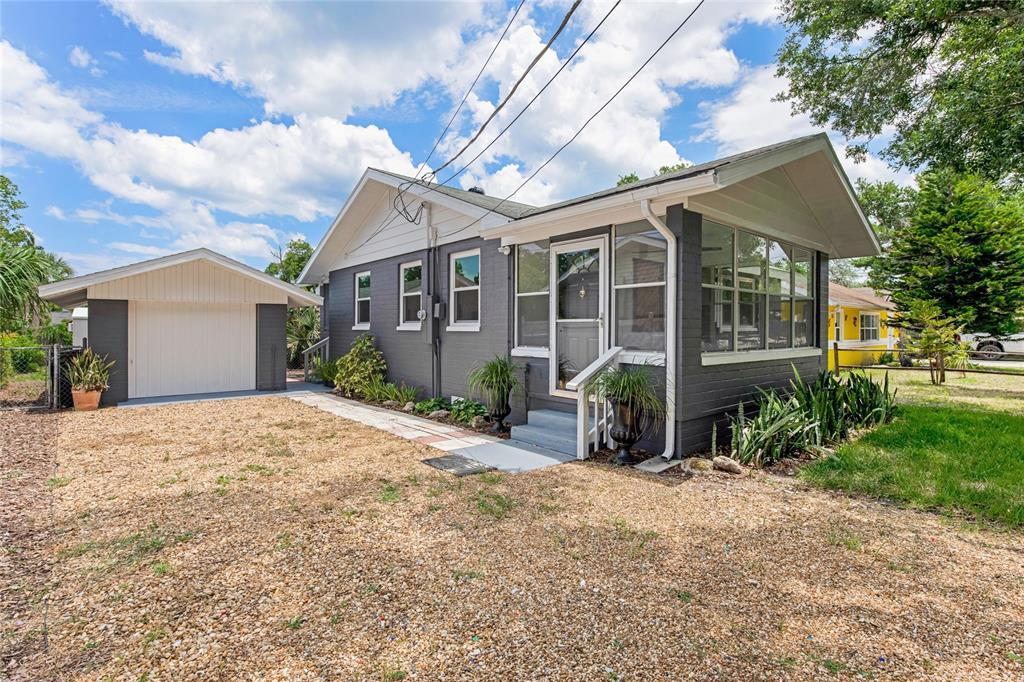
point(140, 129)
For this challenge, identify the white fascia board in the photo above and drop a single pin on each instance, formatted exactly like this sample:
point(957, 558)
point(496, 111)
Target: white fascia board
point(57, 289)
point(330, 230)
point(567, 219)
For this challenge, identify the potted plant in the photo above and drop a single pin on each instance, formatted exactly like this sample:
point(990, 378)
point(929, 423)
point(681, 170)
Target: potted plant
point(635, 405)
point(495, 379)
point(89, 375)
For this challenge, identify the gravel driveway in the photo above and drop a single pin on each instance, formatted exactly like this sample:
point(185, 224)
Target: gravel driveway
point(263, 539)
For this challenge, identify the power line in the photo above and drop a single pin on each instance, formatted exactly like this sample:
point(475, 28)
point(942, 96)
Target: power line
point(389, 218)
point(587, 122)
point(515, 86)
point(434, 187)
point(469, 91)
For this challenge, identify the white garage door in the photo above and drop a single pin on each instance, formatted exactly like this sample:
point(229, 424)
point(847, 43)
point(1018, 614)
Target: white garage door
point(181, 348)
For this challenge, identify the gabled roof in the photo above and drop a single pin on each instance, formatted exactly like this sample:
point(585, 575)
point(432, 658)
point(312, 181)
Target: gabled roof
point(860, 297)
point(73, 291)
point(509, 209)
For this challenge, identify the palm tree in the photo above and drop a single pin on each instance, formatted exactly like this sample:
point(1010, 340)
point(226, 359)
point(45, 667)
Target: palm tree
point(22, 269)
point(302, 330)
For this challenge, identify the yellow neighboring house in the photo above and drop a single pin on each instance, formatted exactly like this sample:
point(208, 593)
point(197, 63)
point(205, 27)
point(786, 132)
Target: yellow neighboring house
point(859, 321)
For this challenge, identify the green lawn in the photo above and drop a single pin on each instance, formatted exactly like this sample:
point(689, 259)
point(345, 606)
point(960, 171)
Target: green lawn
point(939, 457)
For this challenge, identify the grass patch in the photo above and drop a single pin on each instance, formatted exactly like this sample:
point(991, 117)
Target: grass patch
point(491, 477)
point(294, 623)
point(161, 568)
point(55, 482)
point(260, 469)
point(390, 493)
point(683, 596)
point(938, 458)
point(494, 504)
point(844, 537)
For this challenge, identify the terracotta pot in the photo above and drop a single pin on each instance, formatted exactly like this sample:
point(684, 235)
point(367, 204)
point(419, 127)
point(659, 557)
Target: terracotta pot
point(86, 401)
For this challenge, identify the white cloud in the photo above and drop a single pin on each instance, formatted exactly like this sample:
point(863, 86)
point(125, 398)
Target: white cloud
point(322, 60)
point(300, 169)
point(143, 249)
point(114, 54)
point(80, 58)
point(748, 118)
point(55, 212)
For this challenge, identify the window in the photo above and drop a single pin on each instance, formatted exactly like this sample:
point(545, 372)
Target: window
point(464, 279)
point(639, 283)
point(410, 291)
point(532, 276)
point(869, 326)
point(362, 308)
point(837, 332)
point(765, 286)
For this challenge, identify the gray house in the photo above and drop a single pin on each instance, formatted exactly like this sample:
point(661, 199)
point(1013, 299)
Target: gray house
point(183, 324)
point(715, 276)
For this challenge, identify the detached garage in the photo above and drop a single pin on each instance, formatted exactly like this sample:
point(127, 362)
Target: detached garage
point(193, 322)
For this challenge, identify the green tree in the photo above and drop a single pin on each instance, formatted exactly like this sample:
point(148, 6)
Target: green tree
point(946, 75)
point(887, 206)
point(664, 170)
point(932, 336)
point(288, 263)
point(24, 265)
point(628, 179)
point(963, 249)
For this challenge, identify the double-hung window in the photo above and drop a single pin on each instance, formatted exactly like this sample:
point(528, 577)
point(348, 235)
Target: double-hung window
point(870, 323)
point(757, 293)
point(464, 284)
point(410, 283)
point(837, 333)
point(639, 284)
point(362, 304)
point(532, 313)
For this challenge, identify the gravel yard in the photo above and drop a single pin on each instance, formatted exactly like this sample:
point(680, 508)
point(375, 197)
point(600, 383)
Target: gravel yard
point(263, 539)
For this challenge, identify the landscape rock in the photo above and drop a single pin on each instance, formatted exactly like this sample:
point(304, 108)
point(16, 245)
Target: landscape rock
point(409, 407)
point(697, 464)
point(438, 414)
point(478, 422)
point(728, 464)
point(391, 403)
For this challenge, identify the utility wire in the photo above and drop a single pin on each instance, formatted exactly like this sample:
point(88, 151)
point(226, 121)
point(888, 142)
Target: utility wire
point(400, 198)
point(435, 187)
point(497, 109)
point(586, 123)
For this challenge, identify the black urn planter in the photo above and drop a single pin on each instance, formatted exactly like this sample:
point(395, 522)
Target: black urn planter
point(500, 409)
point(625, 431)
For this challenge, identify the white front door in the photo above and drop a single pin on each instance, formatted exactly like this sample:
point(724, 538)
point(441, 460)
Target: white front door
point(579, 309)
point(182, 348)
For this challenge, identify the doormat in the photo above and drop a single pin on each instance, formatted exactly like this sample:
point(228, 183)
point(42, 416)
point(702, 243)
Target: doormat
point(458, 465)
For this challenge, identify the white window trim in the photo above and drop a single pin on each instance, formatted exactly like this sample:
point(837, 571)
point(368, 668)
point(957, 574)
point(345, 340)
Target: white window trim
point(527, 351)
point(403, 324)
point(358, 324)
point(764, 353)
point(837, 325)
point(642, 357)
point(877, 327)
point(469, 325)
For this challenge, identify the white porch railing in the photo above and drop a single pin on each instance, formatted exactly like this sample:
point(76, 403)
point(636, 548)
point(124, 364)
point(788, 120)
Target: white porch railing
point(587, 435)
point(318, 351)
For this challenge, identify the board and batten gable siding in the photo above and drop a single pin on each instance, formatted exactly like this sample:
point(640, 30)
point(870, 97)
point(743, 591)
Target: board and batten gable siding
point(271, 347)
point(707, 394)
point(385, 234)
point(108, 337)
point(408, 353)
point(197, 281)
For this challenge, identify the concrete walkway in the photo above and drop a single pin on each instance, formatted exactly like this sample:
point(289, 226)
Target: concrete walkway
point(511, 457)
point(291, 387)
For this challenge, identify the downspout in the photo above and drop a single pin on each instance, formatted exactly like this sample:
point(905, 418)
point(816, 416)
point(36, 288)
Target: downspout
point(670, 327)
point(435, 331)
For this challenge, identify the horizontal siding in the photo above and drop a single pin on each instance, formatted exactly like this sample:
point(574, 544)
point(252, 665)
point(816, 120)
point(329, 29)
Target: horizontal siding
point(197, 281)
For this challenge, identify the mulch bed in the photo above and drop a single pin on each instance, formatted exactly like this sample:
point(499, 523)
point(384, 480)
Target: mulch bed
point(264, 539)
point(447, 421)
point(28, 451)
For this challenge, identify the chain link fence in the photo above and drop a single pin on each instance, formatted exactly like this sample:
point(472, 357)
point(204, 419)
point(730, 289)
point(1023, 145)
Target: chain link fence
point(35, 377)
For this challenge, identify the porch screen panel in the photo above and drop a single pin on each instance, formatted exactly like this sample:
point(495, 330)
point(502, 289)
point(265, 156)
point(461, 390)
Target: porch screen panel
point(639, 283)
point(532, 274)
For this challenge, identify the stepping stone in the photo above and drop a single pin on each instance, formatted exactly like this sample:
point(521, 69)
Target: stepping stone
point(457, 465)
point(657, 464)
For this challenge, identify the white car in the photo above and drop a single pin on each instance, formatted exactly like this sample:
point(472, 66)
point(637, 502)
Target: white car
point(992, 347)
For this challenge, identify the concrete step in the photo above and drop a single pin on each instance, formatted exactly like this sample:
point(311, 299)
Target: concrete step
point(556, 439)
point(562, 422)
